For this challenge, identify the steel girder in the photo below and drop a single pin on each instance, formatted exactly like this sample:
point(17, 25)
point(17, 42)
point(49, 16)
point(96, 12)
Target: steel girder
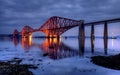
point(58, 25)
point(26, 31)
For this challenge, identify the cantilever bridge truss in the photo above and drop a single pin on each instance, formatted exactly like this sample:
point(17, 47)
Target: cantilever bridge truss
point(58, 25)
point(54, 26)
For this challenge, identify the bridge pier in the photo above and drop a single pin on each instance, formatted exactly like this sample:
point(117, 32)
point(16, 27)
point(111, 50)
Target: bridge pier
point(92, 32)
point(105, 30)
point(81, 39)
point(105, 37)
point(92, 38)
point(81, 31)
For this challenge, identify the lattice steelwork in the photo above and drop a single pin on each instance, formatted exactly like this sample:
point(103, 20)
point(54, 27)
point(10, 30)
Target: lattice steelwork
point(26, 31)
point(15, 33)
point(56, 26)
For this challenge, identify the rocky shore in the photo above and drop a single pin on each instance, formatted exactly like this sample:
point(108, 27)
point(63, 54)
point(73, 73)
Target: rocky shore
point(112, 62)
point(8, 68)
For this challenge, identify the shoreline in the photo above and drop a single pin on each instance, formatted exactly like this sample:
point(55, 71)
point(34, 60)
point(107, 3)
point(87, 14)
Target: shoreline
point(112, 62)
point(14, 68)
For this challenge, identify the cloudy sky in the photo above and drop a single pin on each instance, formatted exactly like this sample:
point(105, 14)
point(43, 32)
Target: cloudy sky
point(15, 14)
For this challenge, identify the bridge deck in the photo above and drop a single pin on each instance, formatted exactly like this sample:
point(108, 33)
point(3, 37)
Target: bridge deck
point(58, 25)
point(102, 22)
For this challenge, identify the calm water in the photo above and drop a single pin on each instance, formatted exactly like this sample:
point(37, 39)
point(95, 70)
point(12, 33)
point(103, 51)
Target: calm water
point(63, 56)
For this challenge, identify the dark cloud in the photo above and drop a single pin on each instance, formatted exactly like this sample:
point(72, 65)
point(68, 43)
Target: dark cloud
point(16, 13)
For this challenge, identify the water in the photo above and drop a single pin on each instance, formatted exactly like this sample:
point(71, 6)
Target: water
point(63, 56)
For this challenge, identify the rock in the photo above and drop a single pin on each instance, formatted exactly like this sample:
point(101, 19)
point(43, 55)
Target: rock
point(15, 69)
point(15, 60)
point(31, 59)
point(45, 54)
point(48, 62)
point(112, 62)
point(39, 59)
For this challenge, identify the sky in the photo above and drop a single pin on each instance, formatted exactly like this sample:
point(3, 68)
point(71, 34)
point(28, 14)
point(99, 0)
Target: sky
point(15, 14)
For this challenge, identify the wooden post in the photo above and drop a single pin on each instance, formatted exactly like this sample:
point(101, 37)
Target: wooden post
point(92, 38)
point(105, 37)
point(81, 38)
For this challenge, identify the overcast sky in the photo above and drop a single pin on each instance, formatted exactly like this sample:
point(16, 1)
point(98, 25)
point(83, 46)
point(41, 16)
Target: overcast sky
point(15, 14)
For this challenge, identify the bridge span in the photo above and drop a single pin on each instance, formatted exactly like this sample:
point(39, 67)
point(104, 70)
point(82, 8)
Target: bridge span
point(53, 27)
point(56, 26)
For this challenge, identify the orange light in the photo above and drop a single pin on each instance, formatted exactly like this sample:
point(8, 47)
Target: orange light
point(54, 40)
point(30, 40)
point(50, 40)
point(27, 42)
point(60, 38)
point(24, 42)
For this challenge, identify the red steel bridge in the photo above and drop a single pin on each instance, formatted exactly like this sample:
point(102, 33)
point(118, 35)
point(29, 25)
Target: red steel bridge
point(53, 27)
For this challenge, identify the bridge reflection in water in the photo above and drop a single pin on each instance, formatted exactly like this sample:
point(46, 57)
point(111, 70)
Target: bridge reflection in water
point(27, 43)
point(56, 49)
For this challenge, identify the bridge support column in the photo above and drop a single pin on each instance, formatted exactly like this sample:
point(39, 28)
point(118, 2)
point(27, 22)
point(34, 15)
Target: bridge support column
point(105, 30)
point(105, 37)
point(81, 39)
point(92, 38)
point(82, 31)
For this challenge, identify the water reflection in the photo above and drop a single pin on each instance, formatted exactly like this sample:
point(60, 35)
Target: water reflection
point(105, 45)
point(112, 42)
point(81, 46)
point(92, 44)
point(27, 43)
point(105, 40)
point(16, 41)
point(56, 49)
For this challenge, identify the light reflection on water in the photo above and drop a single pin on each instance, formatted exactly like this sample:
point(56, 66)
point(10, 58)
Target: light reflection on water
point(31, 50)
point(65, 47)
point(54, 47)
